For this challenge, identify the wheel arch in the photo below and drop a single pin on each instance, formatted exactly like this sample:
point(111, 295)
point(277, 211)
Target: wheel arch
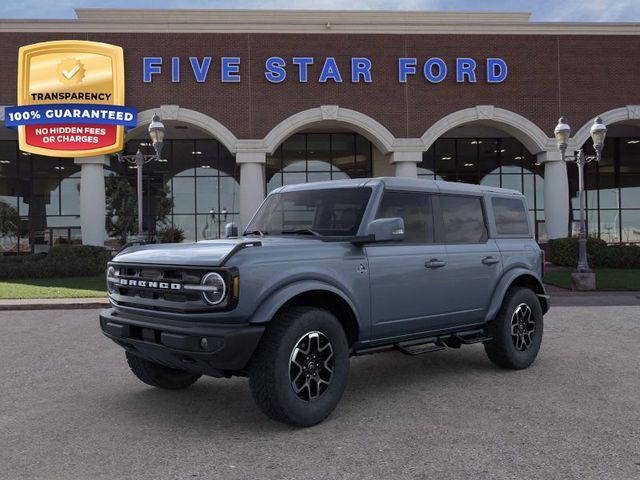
point(313, 294)
point(517, 277)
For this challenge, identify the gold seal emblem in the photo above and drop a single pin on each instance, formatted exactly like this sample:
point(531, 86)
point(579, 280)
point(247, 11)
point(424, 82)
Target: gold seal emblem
point(70, 71)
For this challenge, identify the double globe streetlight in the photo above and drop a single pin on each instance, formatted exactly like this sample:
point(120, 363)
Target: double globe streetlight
point(598, 132)
point(156, 134)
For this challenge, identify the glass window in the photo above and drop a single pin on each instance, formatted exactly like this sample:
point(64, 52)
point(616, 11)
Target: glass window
point(70, 196)
point(415, 211)
point(184, 152)
point(463, 219)
point(207, 195)
point(183, 195)
point(445, 161)
point(343, 152)
point(629, 155)
point(488, 155)
point(514, 182)
point(467, 155)
point(511, 216)
point(319, 152)
point(315, 157)
point(630, 191)
point(511, 155)
point(631, 226)
point(294, 153)
point(426, 166)
point(609, 225)
point(8, 159)
point(335, 211)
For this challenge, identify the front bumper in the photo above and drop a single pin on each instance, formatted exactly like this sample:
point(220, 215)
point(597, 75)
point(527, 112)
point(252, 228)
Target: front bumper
point(209, 349)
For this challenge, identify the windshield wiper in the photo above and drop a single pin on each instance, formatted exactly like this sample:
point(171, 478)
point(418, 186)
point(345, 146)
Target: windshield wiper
point(302, 231)
point(255, 232)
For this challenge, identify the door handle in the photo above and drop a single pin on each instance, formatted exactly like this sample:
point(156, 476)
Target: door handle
point(434, 263)
point(490, 260)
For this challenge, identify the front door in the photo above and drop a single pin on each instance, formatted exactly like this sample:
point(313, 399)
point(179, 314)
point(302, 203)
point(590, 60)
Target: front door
point(408, 290)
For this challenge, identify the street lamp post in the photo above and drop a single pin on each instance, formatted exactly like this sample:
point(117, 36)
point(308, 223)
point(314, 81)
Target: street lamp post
point(156, 133)
point(598, 132)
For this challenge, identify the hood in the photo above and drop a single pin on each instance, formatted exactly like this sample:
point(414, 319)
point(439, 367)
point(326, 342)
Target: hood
point(210, 253)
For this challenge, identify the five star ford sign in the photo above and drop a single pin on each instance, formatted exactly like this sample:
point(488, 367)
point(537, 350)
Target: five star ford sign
point(70, 99)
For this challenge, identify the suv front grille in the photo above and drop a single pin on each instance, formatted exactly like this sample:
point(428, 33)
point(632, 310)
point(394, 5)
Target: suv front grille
point(154, 287)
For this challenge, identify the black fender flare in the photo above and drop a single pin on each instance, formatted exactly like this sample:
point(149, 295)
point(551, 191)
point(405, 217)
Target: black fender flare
point(517, 275)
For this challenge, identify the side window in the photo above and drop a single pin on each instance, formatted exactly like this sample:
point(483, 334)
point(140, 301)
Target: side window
point(463, 219)
point(511, 216)
point(414, 209)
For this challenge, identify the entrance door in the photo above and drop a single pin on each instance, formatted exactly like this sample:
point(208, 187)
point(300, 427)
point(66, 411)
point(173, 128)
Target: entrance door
point(408, 285)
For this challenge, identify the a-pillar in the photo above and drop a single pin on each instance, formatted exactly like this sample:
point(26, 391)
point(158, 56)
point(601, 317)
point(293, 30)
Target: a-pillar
point(252, 184)
point(406, 163)
point(92, 199)
point(556, 194)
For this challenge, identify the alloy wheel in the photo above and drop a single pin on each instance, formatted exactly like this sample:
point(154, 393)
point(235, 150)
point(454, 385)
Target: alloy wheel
point(522, 327)
point(311, 366)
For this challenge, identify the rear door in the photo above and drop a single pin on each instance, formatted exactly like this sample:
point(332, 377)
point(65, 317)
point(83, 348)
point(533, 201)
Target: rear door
point(474, 263)
point(408, 291)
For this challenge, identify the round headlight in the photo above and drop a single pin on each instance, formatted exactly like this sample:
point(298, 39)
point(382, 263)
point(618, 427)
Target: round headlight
point(215, 288)
point(111, 273)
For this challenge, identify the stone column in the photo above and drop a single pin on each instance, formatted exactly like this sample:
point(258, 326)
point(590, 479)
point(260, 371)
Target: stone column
point(252, 184)
point(92, 199)
point(556, 194)
point(406, 163)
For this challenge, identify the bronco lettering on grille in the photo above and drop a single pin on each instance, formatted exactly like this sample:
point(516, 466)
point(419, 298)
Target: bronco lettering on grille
point(150, 284)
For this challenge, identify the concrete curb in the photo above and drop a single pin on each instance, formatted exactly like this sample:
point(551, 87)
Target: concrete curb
point(53, 304)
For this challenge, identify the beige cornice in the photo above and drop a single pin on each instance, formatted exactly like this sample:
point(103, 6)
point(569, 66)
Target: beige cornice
point(298, 21)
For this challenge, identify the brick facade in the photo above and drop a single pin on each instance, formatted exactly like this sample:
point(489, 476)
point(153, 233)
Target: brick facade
point(575, 75)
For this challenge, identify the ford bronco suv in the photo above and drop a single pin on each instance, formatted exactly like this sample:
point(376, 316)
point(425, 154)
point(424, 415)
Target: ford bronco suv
point(325, 271)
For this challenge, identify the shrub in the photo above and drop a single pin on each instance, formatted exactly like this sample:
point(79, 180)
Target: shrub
point(61, 261)
point(171, 235)
point(564, 252)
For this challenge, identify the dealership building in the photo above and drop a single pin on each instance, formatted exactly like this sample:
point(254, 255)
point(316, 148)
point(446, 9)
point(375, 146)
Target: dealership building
point(253, 100)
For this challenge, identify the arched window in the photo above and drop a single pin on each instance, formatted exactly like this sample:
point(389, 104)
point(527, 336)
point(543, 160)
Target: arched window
point(314, 157)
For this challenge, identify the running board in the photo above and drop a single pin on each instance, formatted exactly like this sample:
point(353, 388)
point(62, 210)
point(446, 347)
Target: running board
point(430, 344)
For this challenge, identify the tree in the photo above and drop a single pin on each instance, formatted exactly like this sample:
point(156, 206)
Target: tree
point(9, 221)
point(122, 208)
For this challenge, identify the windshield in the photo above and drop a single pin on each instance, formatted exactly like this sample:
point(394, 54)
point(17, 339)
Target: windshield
point(325, 212)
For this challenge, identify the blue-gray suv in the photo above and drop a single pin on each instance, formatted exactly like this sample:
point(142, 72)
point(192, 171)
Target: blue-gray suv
point(328, 270)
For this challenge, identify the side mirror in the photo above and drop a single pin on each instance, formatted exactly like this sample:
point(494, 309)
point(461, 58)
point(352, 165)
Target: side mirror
point(230, 230)
point(386, 230)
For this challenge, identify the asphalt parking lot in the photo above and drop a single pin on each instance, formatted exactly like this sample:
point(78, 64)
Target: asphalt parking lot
point(69, 408)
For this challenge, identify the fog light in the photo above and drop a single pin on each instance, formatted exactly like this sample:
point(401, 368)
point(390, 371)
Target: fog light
point(204, 344)
point(215, 288)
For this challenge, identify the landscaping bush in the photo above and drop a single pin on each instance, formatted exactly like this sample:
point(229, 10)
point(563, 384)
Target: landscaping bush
point(171, 235)
point(564, 252)
point(61, 261)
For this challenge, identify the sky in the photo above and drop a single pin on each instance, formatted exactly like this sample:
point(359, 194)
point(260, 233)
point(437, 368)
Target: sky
point(542, 10)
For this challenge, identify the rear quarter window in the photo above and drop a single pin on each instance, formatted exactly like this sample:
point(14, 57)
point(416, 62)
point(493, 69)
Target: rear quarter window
point(511, 216)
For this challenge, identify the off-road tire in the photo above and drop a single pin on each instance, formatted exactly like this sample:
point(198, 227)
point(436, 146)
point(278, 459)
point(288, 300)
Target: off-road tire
point(158, 375)
point(502, 349)
point(269, 369)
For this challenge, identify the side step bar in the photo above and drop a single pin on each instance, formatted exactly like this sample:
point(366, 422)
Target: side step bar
point(430, 344)
point(420, 346)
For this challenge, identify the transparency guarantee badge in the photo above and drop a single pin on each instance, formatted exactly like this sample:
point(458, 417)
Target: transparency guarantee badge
point(71, 99)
